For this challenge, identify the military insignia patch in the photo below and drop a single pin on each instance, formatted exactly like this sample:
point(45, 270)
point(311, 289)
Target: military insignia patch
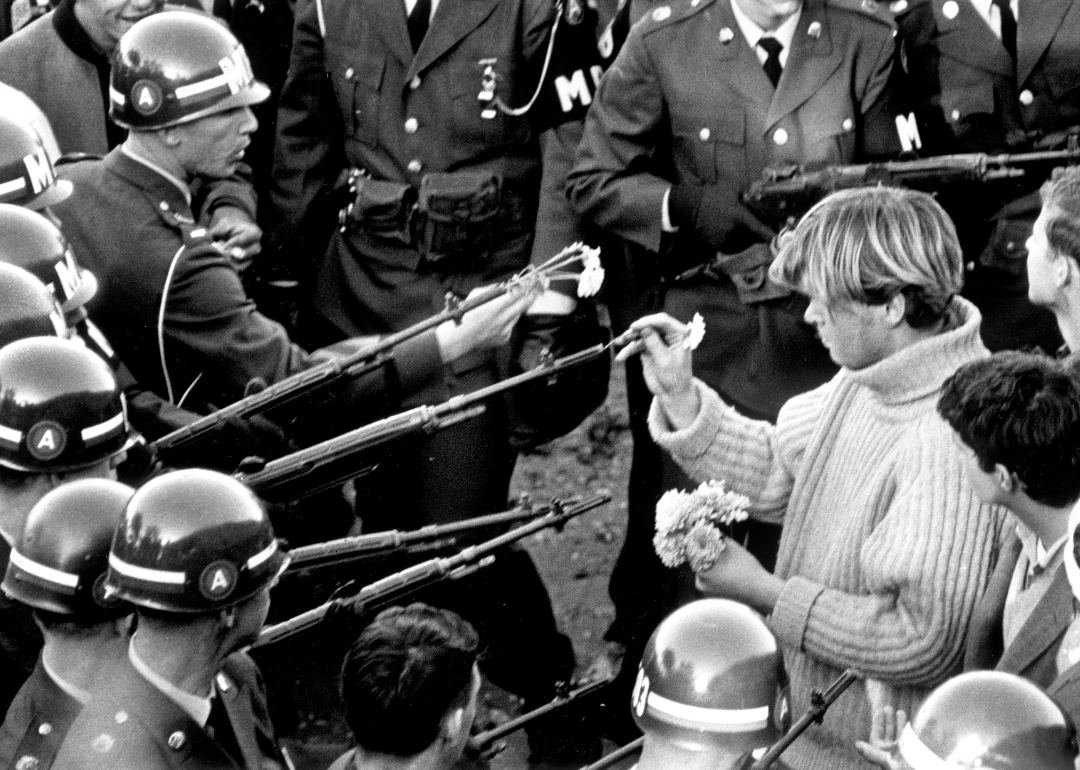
point(146, 96)
point(218, 580)
point(46, 440)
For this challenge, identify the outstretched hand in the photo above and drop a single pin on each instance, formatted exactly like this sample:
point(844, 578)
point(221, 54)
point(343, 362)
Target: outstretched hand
point(666, 364)
point(487, 326)
point(885, 731)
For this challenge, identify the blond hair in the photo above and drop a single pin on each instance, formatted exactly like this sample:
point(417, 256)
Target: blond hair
point(1060, 196)
point(869, 244)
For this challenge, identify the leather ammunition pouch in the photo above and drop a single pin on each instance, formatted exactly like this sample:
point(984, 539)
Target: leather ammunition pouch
point(451, 217)
point(457, 215)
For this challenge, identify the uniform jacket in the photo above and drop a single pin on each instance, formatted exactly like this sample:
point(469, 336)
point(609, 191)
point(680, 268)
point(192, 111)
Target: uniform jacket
point(677, 91)
point(1066, 691)
point(357, 96)
point(36, 722)
point(131, 725)
point(687, 101)
point(970, 95)
point(159, 266)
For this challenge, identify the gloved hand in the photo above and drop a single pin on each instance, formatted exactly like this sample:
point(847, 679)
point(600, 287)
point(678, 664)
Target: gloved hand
point(544, 410)
point(716, 216)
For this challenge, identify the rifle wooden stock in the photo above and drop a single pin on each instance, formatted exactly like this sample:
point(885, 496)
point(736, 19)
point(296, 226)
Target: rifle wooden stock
point(819, 704)
point(481, 741)
point(288, 392)
point(383, 543)
point(787, 192)
point(332, 462)
point(618, 755)
point(393, 587)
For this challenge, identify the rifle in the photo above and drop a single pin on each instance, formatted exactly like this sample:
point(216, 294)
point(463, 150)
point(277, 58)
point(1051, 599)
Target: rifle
point(333, 461)
point(436, 537)
point(618, 755)
point(289, 391)
point(564, 698)
point(393, 587)
point(819, 704)
point(787, 192)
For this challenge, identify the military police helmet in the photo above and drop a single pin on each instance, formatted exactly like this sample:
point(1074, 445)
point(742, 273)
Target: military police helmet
point(33, 242)
point(59, 561)
point(194, 541)
point(711, 675)
point(990, 720)
point(178, 66)
point(27, 176)
point(27, 307)
point(60, 408)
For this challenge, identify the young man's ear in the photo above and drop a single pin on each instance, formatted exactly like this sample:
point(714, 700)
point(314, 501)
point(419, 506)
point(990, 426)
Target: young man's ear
point(1006, 479)
point(896, 309)
point(453, 725)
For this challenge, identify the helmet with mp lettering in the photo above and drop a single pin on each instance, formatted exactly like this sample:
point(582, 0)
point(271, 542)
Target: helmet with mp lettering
point(60, 408)
point(178, 66)
point(58, 562)
point(27, 307)
point(711, 676)
point(989, 720)
point(194, 541)
point(27, 176)
point(33, 242)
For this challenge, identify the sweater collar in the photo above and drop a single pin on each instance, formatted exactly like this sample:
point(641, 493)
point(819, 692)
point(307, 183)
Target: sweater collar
point(918, 371)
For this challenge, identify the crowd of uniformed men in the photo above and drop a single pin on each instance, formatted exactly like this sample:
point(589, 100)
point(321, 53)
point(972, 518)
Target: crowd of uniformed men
point(200, 201)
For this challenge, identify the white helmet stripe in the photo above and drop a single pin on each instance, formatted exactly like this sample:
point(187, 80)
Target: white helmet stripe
point(116, 97)
point(10, 435)
point(60, 578)
point(14, 186)
point(104, 428)
point(918, 754)
point(145, 573)
point(740, 719)
point(262, 555)
point(201, 87)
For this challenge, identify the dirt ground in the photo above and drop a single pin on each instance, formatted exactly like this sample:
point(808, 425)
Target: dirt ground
point(575, 564)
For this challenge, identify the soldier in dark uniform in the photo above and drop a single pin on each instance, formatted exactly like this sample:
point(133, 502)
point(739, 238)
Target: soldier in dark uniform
point(57, 567)
point(196, 555)
point(415, 102)
point(704, 95)
point(992, 76)
point(61, 418)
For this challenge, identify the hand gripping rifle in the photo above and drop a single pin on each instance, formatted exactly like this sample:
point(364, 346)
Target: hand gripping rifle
point(288, 393)
point(819, 704)
point(564, 698)
point(436, 537)
point(334, 461)
point(785, 193)
point(393, 587)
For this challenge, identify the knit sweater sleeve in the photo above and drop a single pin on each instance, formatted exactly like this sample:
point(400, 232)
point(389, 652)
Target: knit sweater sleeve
point(753, 457)
point(923, 566)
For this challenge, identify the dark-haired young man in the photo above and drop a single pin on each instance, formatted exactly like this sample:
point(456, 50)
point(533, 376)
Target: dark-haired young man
point(410, 684)
point(1017, 415)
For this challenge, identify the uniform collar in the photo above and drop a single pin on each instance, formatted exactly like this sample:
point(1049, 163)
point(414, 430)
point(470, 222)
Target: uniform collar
point(185, 191)
point(77, 693)
point(753, 33)
point(197, 708)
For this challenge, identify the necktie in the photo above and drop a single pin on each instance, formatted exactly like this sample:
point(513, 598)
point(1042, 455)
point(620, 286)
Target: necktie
point(1008, 26)
point(220, 729)
point(418, 22)
point(772, 47)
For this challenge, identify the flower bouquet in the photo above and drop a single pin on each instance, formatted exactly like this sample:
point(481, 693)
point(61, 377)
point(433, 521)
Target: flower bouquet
point(690, 525)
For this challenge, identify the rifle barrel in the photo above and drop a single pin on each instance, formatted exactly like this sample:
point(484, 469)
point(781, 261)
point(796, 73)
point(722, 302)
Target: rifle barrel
point(422, 574)
point(481, 741)
point(820, 703)
point(618, 755)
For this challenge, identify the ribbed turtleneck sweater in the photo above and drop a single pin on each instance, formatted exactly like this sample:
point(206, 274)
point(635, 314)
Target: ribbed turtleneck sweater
point(885, 548)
